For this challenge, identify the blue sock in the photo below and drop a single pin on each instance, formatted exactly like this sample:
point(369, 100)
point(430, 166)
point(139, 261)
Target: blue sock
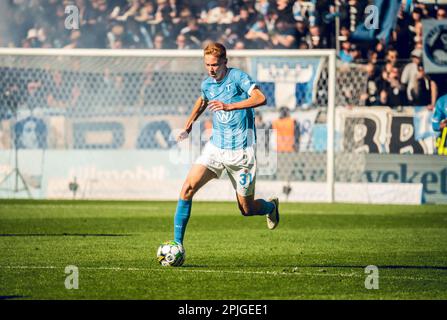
point(266, 208)
point(181, 219)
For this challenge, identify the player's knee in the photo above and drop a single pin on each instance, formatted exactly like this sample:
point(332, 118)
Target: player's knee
point(188, 191)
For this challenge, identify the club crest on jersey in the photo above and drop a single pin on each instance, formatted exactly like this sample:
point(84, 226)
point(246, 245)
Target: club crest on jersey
point(224, 116)
point(228, 86)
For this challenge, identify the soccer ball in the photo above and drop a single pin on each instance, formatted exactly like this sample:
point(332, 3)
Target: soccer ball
point(171, 254)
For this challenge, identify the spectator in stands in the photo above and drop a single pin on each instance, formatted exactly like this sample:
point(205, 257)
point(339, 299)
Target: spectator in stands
point(262, 7)
point(12, 89)
point(283, 9)
point(107, 83)
point(380, 49)
point(344, 33)
point(118, 95)
point(287, 132)
point(251, 24)
point(182, 42)
point(145, 13)
point(383, 81)
point(415, 26)
point(159, 41)
point(394, 94)
point(416, 17)
point(401, 38)
point(284, 37)
point(35, 96)
point(424, 92)
point(181, 21)
point(100, 25)
point(303, 45)
point(301, 30)
point(242, 23)
point(391, 59)
point(60, 94)
point(175, 9)
point(345, 52)
point(301, 9)
point(258, 35)
point(314, 38)
point(163, 13)
point(239, 45)
point(32, 39)
point(154, 84)
point(441, 14)
point(251, 7)
point(372, 57)
point(219, 15)
point(115, 36)
point(371, 96)
point(410, 72)
point(122, 12)
point(356, 54)
point(193, 32)
point(163, 22)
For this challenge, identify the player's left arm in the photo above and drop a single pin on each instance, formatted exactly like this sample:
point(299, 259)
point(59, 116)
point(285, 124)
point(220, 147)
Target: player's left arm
point(256, 99)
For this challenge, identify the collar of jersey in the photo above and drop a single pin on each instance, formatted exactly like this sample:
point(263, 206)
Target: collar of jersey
point(223, 79)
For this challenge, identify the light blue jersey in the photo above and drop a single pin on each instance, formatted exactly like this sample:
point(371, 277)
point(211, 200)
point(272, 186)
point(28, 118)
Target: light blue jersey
point(440, 113)
point(231, 129)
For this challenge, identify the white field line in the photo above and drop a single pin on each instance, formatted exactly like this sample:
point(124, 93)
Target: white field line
point(273, 273)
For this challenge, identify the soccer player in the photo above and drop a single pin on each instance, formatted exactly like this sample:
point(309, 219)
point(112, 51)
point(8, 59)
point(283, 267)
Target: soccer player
point(231, 95)
point(439, 119)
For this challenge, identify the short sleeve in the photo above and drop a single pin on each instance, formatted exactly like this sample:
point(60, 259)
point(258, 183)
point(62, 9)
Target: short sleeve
point(245, 82)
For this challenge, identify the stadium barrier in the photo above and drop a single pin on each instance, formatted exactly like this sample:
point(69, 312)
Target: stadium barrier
point(151, 175)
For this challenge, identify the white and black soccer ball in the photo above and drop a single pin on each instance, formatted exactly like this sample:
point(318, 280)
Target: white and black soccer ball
point(171, 254)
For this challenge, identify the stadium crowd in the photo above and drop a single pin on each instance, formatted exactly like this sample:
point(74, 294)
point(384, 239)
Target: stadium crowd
point(393, 63)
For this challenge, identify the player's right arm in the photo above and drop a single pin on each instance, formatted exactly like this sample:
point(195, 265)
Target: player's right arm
point(199, 106)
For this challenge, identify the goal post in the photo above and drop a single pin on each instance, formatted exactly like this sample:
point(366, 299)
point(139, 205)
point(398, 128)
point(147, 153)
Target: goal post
point(96, 99)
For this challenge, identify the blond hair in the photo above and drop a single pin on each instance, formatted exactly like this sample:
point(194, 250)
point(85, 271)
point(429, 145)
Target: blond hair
point(216, 50)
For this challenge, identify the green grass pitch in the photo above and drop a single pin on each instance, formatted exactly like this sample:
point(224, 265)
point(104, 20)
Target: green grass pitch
point(319, 251)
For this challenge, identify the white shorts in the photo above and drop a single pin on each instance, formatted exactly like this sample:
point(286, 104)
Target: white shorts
point(240, 165)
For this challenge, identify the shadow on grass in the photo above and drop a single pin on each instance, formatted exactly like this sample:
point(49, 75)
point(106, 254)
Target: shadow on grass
point(287, 267)
point(195, 266)
point(63, 235)
point(382, 267)
point(12, 297)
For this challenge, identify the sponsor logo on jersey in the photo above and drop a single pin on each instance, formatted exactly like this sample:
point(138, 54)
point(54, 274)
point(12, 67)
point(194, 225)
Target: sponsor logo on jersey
point(224, 116)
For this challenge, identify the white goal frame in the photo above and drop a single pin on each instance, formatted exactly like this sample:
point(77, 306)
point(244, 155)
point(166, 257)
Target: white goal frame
point(330, 54)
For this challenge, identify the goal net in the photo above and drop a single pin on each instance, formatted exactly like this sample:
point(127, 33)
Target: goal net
point(118, 101)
